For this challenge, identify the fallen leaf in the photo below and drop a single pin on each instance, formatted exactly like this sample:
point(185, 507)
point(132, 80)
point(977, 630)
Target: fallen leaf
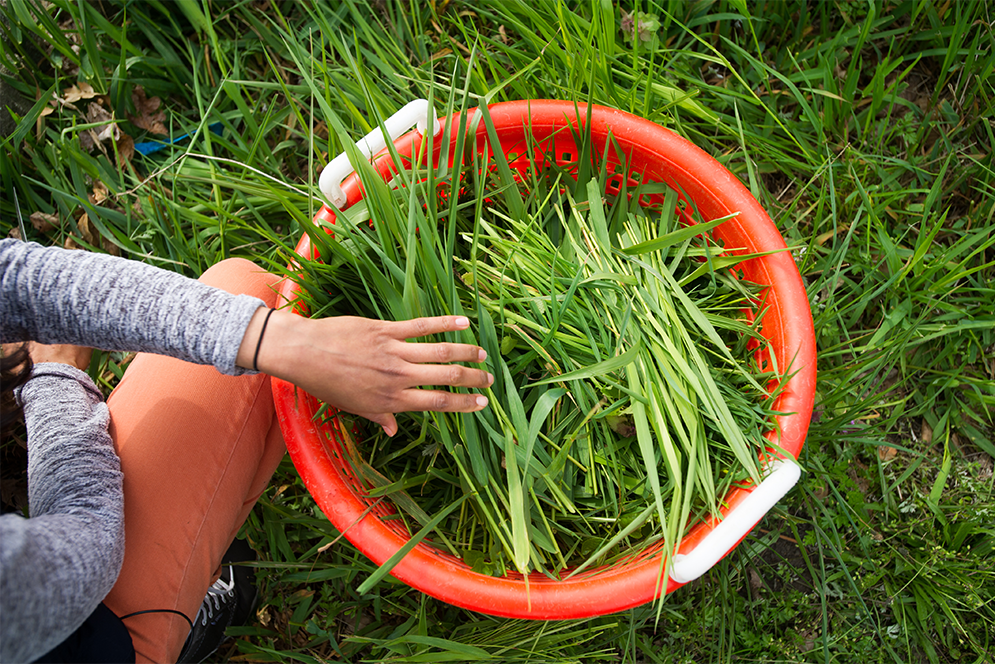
point(97, 114)
point(108, 132)
point(15, 233)
point(75, 93)
point(147, 114)
point(926, 433)
point(86, 231)
point(99, 194)
point(44, 223)
point(886, 453)
point(87, 140)
point(71, 244)
point(125, 149)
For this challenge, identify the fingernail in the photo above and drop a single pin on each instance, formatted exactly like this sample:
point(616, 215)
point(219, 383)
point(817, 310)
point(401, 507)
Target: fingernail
point(490, 379)
point(462, 321)
point(482, 401)
point(482, 355)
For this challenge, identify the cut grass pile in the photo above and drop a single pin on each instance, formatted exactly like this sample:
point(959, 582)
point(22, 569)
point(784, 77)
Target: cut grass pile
point(626, 400)
point(865, 130)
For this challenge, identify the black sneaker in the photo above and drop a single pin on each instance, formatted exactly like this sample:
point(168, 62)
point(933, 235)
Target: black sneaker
point(229, 602)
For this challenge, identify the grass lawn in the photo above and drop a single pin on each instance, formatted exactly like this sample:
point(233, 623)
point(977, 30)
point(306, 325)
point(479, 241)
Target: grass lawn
point(866, 129)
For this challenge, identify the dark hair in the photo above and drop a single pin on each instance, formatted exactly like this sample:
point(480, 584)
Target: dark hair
point(15, 369)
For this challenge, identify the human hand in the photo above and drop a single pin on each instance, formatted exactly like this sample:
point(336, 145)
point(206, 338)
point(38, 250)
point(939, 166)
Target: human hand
point(76, 356)
point(366, 367)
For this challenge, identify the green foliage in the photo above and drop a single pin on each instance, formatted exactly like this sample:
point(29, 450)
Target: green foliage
point(864, 128)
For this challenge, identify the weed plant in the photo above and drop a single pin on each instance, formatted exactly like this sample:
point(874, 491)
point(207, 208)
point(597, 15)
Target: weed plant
point(865, 129)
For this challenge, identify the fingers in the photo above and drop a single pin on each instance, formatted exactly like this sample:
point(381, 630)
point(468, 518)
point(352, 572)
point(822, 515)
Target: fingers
point(442, 402)
point(385, 420)
point(449, 375)
point(422, 327)
point(422, 400)
point(441, 353)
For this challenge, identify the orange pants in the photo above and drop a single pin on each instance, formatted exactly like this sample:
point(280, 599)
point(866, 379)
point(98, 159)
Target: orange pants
point(197, 449)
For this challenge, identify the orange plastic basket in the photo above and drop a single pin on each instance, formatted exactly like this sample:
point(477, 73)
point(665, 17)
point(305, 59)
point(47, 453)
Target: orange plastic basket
point(654, 154)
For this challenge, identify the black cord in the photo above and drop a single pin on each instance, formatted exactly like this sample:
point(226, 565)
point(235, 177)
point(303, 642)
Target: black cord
point(179, 613)
point(259, 344)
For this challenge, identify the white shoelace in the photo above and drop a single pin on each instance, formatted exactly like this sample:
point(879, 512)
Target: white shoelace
point(215, 595)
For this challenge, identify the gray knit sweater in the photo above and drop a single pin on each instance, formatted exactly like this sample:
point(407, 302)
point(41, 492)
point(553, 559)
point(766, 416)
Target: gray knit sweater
point(59, 564)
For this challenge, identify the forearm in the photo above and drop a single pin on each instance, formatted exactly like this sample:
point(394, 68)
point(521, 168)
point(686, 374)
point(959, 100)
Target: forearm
point(56, 296)
point(60, 563)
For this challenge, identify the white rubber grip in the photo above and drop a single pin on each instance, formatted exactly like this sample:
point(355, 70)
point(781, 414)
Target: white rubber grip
point(417, 114)
point(784, 474)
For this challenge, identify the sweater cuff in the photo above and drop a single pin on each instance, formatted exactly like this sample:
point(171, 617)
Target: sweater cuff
point(56, 370)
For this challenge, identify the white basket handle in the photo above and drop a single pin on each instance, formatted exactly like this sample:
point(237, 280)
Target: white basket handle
point(784, 474)
point(418, 114)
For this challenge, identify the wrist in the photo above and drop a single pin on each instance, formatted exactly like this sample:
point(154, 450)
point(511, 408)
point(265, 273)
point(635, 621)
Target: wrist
point(265, 344)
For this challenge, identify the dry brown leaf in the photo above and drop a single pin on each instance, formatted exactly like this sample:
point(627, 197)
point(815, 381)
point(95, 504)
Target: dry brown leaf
point(109, 132)
point(97, 114)
point(87, 140)
point(99, 194)
point(15, 233)
point(886, 453)
point(75, 93)
point(44, 223)
point(86, 231)
point(147, 114)
point(926, 433)
point(125, 149)
point(92, 237)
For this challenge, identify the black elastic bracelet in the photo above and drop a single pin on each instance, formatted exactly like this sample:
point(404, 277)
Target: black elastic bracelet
point(259, 344)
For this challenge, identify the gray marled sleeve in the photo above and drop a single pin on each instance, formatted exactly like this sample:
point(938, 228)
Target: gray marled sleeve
point(52, 295)
point(58, 565)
